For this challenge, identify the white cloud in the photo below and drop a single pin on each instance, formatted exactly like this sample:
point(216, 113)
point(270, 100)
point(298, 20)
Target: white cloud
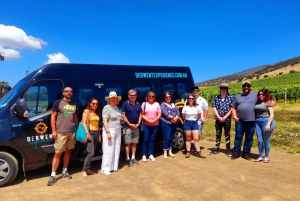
point(57, 58)
point(9, 53)
point(12, 38)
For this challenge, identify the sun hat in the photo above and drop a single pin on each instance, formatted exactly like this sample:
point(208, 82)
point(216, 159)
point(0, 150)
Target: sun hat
point(223, 84)
point(111, 95)
point(247, 82)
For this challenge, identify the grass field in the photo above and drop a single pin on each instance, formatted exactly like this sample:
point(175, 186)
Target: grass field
point(286, 135)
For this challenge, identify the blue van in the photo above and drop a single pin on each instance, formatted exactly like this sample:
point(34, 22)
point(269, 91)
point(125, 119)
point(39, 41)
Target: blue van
point(25, 132)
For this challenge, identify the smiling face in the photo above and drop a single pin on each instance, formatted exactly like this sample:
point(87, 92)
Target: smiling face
point(94, 104)
point(132, 96)
point(196, 93)
point(246, 88)
point(261, 96)
point(68, 92)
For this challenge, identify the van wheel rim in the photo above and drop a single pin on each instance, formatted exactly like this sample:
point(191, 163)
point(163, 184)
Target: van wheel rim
point(4, 170)
point(178, 140)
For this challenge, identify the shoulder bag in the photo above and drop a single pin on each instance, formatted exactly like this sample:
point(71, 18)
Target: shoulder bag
point(81, 135)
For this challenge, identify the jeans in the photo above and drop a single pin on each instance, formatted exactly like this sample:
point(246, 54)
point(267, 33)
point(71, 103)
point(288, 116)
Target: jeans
point(149, 139)
point(169, 131)
point(263, 137)
point(90, 149)
point(219, 126)
point(242, 127)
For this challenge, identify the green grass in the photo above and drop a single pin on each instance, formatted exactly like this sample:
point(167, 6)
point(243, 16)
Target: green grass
point(286, 135)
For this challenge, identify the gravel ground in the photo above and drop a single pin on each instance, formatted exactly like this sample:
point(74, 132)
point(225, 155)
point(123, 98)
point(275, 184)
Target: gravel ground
point(215, 178)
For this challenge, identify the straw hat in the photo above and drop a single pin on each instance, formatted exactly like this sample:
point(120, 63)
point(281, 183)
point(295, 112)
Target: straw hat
point(111, 95)
point(224, 85)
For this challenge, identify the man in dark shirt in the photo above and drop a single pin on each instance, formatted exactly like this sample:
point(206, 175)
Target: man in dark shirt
point(132, 114)
point(63, 123)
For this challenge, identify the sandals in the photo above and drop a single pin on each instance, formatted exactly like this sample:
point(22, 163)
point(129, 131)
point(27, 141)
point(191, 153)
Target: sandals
point(260, 159)
point(89, 172)
point(84, 175)
point(172, 155)
point(266, 160)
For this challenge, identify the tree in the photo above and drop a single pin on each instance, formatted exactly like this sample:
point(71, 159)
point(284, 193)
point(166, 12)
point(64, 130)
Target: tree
point(2, 84)
point(1, 57)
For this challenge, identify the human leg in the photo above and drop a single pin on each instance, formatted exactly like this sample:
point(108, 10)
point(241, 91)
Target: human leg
point(218, 127)
point(166, 129)
point(239, 132)
point(146, 140)
point(117, 149)
point(267, 136)
point(107, 154)
point(227, 127)
point(249, 132)
point(259, 133)
point(172, 136)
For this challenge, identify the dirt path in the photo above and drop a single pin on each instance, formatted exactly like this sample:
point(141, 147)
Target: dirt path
point(215, 178)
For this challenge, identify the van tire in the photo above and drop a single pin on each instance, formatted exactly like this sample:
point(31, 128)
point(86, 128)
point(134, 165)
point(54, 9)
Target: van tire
point(8, 168)
point(179, 140)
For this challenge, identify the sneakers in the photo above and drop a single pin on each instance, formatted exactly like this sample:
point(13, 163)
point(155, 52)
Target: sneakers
point(134, 161)
point(187, 155)
point(151, 157)
point(228, 153)
point(247, 157)
point(105, 172)
point(128, 163)
point(66, 175)
point(214, 152)
point(233, 157)
point(144, 159)
point(51, 181)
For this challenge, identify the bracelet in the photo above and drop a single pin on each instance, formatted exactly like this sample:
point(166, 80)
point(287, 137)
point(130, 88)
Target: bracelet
point(107, 131)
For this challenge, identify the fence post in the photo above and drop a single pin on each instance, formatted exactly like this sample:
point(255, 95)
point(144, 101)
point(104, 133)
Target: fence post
point(285, 94)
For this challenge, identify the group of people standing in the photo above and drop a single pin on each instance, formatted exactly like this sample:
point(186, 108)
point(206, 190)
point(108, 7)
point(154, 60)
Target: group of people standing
point(249, 110)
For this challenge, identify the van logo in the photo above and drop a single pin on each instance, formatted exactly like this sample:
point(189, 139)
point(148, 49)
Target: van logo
point(41, 128)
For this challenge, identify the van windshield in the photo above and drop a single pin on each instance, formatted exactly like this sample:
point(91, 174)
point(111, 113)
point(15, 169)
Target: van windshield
point(12, 93)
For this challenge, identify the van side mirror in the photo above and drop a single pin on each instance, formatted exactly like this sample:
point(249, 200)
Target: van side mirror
point(21, 108)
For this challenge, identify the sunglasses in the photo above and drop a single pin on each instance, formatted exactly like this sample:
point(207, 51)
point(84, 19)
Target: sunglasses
point(246, 86)
point(68, 91)
point(223, 87)
point(168, 96)
point(261, 94)
point(132, 95)
point(94, 103)
point(191, 98)
point(151, 96)
point(196, 90)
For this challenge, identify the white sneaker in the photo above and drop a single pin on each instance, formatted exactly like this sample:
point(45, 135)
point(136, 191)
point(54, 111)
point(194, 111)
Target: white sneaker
point(105, 172)
point(151, 157)
point(144, 159)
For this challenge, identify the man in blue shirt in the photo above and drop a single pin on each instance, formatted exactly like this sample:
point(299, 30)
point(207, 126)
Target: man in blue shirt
point(244, 117)
point(222, 108)
point(132, 114)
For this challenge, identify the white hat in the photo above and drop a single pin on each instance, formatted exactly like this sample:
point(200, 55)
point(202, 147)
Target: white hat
point(111, 95)
point(247, 82)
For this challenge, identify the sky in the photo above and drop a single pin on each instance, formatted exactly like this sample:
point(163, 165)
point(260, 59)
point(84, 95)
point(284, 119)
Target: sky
point(214, 38)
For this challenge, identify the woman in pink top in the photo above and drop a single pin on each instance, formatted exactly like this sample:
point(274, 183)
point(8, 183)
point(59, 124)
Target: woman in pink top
point(151, 116)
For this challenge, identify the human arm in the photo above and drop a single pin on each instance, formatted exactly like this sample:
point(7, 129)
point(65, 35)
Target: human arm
point(133, 126)
point(234, 114)
point(53, 124)
point(271, 117)
point(84, 123)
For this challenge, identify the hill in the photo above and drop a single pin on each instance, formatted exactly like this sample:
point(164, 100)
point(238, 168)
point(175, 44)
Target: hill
point(282, 67)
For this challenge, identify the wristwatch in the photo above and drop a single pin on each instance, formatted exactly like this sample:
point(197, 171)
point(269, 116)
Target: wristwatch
point(107, 131)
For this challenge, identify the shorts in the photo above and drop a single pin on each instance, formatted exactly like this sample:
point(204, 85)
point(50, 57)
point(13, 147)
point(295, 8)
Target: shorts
point(190, 125)
point(131, 135)
point(64, 141)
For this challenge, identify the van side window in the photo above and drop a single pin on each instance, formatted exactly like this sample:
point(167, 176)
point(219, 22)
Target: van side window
point(143, 86)
point(177, 88)
point(41, 96)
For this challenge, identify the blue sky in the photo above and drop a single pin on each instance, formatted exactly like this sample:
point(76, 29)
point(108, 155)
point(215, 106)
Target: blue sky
point(214, 38)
